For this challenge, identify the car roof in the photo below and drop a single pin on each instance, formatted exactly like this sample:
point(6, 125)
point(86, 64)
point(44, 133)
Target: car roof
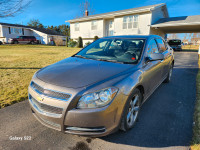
point(134, 36)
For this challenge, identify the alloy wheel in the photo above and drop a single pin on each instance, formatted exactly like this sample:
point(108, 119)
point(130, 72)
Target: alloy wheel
point(133, 110)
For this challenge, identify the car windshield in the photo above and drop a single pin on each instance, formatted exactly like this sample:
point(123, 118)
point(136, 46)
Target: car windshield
point(174, 42)
point(114, 50)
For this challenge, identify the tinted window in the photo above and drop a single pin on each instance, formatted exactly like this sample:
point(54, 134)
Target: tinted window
point(161, 45)
point(32, 37)
point(174, 42)
point(152, 48)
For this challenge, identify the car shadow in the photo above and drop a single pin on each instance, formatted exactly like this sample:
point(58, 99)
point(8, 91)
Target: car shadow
point(166, 118)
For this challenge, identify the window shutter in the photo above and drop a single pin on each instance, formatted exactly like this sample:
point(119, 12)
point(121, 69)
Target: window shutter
point(9, 30)
point(23, 31)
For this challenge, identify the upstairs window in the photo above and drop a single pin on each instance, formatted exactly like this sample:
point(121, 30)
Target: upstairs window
point(76, 26)
point(130, 22)
point(94, 25)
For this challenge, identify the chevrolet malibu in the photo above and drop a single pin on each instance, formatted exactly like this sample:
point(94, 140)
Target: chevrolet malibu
point(101, 88)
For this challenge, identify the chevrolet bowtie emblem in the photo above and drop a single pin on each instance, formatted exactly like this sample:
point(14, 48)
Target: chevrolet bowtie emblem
point(39, 98)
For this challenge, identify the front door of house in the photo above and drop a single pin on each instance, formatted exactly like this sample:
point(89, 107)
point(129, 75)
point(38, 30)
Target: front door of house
point(110, 28)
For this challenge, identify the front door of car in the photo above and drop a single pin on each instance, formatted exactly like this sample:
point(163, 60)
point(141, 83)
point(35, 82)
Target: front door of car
point(163, 49)
point(20, 40)
point(152, 69)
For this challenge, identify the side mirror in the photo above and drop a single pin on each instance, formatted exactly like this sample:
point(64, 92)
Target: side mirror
point(155, 56)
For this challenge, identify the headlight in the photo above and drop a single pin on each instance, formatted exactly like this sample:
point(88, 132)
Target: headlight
point(97, 99)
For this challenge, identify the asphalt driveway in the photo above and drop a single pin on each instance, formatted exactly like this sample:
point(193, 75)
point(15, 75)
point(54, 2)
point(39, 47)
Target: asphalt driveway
point(165, 120)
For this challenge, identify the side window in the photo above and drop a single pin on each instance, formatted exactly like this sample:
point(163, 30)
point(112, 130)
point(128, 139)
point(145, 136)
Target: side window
point(152, 48)
point(161, 45)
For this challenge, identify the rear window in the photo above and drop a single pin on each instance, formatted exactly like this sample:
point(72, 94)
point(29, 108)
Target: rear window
point(174, 42)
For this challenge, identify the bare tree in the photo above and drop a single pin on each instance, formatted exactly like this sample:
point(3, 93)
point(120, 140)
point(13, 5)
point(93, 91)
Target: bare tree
point(173, 36)
point(9, 8)
point(85, 6)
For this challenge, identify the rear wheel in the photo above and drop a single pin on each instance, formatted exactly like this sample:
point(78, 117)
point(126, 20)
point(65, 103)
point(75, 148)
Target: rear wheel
point(131, 111)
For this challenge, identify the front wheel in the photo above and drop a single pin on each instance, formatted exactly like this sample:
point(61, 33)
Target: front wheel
point(168, 79)
point(131, 111)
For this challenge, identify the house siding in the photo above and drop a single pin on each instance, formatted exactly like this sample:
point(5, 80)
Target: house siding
point(7, 35)
point(43, 37)
point(87, 34)
point(85, 30)
point(156, 15)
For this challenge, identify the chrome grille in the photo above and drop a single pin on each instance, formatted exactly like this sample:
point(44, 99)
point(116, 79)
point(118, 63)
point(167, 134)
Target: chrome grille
point(49, 93)
point(46, 108)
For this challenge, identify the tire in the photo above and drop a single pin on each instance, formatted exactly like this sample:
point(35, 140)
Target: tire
point(168, 79)
point(15, 42)
point(31, 42)
point(131, 111)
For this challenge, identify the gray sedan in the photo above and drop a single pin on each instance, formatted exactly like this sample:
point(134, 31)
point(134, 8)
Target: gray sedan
point(101, 88)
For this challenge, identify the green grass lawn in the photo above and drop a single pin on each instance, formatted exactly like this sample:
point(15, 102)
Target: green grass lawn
point(18, 63)
point(193, 48)
point(196, 128)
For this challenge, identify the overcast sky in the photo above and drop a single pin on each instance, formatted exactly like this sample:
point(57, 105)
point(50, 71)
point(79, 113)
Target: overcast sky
point(56, 12)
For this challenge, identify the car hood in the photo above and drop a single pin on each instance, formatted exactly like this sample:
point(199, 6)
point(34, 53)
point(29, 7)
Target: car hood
point(76, 72)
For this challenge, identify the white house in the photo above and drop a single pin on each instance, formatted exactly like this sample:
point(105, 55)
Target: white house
point(45, 36)
point(123, 22)
point(153, 19)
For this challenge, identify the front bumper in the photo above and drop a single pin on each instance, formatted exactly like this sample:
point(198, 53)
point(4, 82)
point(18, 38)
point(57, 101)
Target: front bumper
point(177, 48)
point(60, 116)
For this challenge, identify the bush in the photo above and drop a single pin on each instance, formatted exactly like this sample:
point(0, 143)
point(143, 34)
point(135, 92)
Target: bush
point(80, 42)
point(88, 43)
point(96, 38)
point(58, 41)
point(72, 43)
point(67, 41)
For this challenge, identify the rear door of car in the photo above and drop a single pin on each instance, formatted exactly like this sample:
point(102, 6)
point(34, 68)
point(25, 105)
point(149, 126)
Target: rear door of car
point(20, 39)
point(152, 69)
point(165, 50)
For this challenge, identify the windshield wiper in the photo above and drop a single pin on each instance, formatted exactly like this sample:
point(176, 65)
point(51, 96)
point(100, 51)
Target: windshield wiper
point(80, 56)
point(115, 61)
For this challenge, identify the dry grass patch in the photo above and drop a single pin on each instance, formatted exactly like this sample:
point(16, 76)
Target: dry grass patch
point(18, 63)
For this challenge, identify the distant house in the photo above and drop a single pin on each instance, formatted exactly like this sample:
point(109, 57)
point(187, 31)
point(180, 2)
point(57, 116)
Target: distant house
point(45, 36)
point(153, 19)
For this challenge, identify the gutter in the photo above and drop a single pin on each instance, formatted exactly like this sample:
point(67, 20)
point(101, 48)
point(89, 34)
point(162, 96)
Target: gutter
point(175, 24)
